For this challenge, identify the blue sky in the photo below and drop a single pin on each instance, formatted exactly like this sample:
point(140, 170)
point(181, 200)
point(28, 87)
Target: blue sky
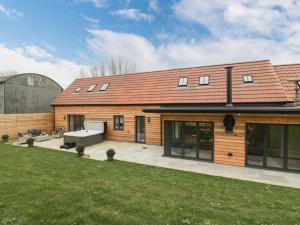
point(59, 37)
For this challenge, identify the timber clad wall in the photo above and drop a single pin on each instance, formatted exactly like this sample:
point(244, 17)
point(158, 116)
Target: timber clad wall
point(11, 124)
point(106, 113)
point(224, 143)
point(232, 142)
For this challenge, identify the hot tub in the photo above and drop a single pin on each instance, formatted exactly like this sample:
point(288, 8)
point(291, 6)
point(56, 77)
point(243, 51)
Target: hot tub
point(91, 135)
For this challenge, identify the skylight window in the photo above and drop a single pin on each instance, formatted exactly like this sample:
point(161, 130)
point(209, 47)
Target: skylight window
point(248, 79)
point(91, 88)
point(104, 87)
point(183, 81)
point(77, 90)
point(204, 80)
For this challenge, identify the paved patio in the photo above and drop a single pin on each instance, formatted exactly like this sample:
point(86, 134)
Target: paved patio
point(152, 155)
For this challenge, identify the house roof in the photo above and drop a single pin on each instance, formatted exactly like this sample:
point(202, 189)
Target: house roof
point(5, 78)
point(288, 73)
point(161, 87)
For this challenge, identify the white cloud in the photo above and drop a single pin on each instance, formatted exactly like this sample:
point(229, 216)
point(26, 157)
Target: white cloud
point(94, 22)
point(34, 52)
point(62, 71)
point(242, 18)
point(133, 14)
point(96, 3)
point(153, 4)
point(11, 13)
point(105, 44)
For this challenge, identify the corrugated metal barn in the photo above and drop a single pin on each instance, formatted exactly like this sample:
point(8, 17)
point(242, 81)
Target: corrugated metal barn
point(27, 93)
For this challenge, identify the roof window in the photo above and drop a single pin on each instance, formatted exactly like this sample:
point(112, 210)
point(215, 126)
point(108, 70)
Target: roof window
point(204, 80)
point(104, 87)
point(183, 81)
point(248, 79)
point(91, 88)
point(77, 90)
point(298, 83)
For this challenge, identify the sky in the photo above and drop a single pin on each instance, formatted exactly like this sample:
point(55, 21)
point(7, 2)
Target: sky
point(58, 38)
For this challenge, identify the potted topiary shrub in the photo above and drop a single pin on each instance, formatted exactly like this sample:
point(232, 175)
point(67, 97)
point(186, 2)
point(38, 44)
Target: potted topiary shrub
point(5, 138)
point(30, 142)
point(80, 150)
point(110, 154)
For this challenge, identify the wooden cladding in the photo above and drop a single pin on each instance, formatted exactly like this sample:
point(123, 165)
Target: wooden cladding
point(229, 147)
point(11, 124)
point(107, 113)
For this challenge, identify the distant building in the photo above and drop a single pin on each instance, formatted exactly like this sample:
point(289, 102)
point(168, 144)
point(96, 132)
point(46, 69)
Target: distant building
point(27, 93)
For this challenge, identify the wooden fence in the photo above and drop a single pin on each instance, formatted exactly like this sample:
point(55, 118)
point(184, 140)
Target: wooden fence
point(11, 124)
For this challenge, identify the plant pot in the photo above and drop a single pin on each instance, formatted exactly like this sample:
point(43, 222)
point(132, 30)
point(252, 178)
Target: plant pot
point(30, 145)
point(5, 140)
point(110, 157)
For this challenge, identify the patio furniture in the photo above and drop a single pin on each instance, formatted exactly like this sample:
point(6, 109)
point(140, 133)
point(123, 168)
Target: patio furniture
point(58, 132)
point(22, 138)
point(38, 135)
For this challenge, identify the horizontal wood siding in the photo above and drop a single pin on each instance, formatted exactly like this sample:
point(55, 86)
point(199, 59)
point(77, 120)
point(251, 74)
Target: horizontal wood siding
point(234, 143)
point(106, 113)
point(11, 124)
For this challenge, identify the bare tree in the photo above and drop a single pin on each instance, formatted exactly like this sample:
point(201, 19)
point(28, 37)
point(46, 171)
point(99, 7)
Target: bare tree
point(83, 73)
point(115, 66)
point(8, 73)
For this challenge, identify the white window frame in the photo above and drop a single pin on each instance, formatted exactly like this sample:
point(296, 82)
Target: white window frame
point(77, 90)
point(183, 82)
point(104, 87)
point(91, 88)
point(248, 79)
point(204, 80)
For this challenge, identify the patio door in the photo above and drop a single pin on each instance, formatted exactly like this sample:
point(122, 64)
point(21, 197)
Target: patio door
point(76, 122)
point(140, 129)
point(189, 139)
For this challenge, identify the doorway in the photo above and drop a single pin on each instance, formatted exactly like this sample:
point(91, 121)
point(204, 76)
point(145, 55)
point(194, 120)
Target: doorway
point(140, 131)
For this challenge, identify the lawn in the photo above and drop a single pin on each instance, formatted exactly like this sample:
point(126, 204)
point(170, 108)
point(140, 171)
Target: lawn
point(41, 186)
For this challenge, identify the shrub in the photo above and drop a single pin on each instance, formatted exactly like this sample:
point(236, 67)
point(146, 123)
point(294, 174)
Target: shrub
point(5, 138)
point(110, 154)
point(30, 142)
point(80, 150)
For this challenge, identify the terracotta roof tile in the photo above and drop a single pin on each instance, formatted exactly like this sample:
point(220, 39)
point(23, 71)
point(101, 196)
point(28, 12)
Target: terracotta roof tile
point(161, 87)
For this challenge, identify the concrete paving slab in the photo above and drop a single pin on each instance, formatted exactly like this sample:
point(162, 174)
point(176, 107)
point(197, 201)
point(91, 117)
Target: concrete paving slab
point(152, 155)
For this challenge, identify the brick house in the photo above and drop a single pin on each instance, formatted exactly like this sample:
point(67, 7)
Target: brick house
point(242, 114)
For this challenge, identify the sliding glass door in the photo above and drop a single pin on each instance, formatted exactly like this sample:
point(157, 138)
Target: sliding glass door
point(191, 139)
point(76, 122)
point(273, 146)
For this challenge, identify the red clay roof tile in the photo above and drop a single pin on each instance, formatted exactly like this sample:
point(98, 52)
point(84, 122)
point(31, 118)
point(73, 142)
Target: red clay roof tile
point(161, 87)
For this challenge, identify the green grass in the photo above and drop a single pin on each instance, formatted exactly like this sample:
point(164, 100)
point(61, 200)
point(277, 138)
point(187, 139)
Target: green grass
point(41, 186)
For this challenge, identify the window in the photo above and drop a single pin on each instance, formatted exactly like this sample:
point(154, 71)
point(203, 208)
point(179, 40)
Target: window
point(91, 88)
point(298, 83)
point(183, 81)
point(76, 122)
point(248, 79)
point(104, 87)
point(204, 80)
point(119, 122)
point(77, 90)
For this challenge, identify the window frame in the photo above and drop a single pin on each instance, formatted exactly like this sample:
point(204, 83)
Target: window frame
point(91, 88)
point(77, 90)
point(205, 79)
point(246, 79)
point(118, 125)
point(104, 85)
point(182, 83)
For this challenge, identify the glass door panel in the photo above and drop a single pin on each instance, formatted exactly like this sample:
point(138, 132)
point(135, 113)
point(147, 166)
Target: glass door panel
point(176, 139)
point(255, 142)
point(293, 145)
point(206, 141)
point(76, 122)
point(140, 129)
point(274, 135)
point(190, 139)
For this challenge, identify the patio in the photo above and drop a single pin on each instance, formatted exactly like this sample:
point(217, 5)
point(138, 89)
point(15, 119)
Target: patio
point(152, 155)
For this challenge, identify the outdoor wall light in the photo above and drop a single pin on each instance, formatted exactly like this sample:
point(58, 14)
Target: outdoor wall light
point(65, 117)
point(229, 154)
point(148, 119)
